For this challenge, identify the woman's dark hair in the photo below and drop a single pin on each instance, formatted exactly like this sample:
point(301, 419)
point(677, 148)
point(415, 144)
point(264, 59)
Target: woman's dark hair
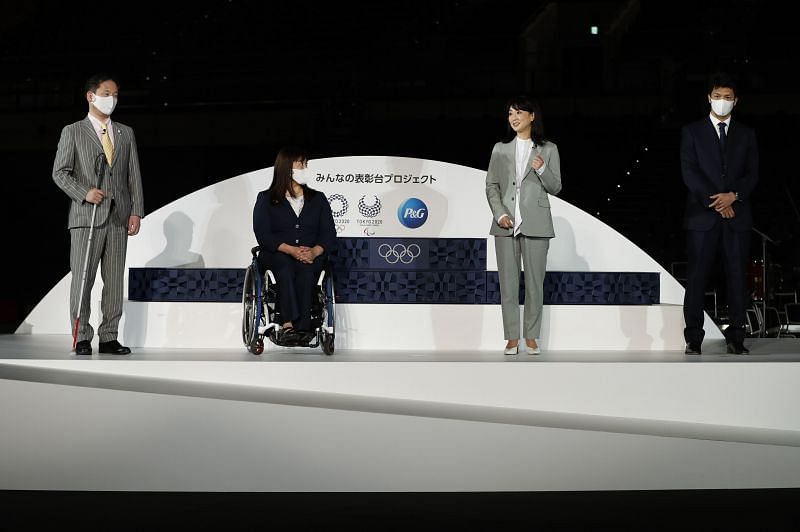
point(94, 82)
point(718, 80)
point(523, 103)
point(282, 172)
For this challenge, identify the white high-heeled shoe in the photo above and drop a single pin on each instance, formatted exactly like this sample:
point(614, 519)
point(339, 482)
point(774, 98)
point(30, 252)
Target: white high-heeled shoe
point(511, 350)
point(533, 350)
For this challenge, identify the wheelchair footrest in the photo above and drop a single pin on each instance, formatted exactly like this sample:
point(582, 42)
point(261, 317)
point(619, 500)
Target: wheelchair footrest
point(306, 339)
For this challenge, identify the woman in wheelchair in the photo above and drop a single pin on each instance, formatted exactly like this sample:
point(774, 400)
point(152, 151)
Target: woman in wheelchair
point(295, 231)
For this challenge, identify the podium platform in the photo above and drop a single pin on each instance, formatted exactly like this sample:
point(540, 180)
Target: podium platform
point(370, 420)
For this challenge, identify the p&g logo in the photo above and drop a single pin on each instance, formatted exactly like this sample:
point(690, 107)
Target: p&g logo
point(412, 213)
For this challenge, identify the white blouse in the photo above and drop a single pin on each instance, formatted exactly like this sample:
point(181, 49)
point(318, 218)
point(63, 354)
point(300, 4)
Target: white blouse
point(296, 203)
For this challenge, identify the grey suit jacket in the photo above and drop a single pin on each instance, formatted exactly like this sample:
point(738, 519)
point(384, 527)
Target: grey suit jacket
point(74, 173)
point(534, 199)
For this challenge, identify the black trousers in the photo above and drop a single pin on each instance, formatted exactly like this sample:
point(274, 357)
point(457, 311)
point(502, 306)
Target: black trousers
point(296, 285)
point(703, 247)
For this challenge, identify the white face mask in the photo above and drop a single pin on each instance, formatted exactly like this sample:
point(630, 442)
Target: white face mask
point(722, 107)
point(105, 104)
point(300, 175)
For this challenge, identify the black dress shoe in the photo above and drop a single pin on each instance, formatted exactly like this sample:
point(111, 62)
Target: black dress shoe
point(693, 348)
point(306, 337)
point(114, 348)
point(83, 348)
point(289, 336)
point(737, 348)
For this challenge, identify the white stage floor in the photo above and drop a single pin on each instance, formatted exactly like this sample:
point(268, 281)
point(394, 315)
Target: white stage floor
point(58, 347)
point(296, 420)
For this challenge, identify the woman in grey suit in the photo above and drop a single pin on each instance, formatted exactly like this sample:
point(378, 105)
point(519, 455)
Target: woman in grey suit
point(522, 173)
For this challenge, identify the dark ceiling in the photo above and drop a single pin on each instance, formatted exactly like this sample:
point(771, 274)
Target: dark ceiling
point(214, 88)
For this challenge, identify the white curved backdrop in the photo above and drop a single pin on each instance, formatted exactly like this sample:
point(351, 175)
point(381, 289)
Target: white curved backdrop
point(212, 228)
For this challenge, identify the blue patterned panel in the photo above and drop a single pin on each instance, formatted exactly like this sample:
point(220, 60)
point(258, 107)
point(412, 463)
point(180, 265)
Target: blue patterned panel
point(429, 287)
point(493, 288)
point(410, 254)
point(351, 254)
point(602, 288)
point(404, 270)
point(589, 288)
point(457, 254)
point(457, 287)
point(185, 284)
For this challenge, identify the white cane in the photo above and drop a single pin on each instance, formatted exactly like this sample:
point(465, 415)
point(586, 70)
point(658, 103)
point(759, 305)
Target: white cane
point(99, 167)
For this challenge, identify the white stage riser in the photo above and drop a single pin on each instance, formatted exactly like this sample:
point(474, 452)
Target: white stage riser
point(75, 438)
point(722, 397)
point(415, 327)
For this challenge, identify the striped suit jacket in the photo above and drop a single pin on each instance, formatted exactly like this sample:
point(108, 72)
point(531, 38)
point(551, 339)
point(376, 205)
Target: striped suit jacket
point(78, 156)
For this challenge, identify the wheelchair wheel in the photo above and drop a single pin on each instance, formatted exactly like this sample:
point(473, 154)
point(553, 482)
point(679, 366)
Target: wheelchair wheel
point(258, 347)
point(251, 308)
point(328, 343)
point(327, 330)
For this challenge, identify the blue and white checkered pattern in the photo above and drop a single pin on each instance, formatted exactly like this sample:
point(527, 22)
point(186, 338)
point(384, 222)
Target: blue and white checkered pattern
point(446, 270)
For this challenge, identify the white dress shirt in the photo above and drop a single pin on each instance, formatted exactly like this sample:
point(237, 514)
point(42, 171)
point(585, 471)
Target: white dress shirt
point(99, 126)
point(524, 148)
point(716, 121)
point(296, 203)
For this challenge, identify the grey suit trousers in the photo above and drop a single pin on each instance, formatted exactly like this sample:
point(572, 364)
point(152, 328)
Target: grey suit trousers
point(109, 245)
point(533, 252)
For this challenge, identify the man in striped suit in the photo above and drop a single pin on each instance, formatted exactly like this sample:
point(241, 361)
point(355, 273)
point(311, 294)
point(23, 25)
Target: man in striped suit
point(89, 149)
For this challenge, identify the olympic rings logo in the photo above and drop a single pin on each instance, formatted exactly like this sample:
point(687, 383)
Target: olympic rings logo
point(399, 253)
point(334, 198)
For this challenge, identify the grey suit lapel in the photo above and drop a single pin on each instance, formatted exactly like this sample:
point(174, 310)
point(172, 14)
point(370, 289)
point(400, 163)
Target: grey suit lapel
point(528, 169)
point(88, 130)
point(118, 142)
point(511, 157)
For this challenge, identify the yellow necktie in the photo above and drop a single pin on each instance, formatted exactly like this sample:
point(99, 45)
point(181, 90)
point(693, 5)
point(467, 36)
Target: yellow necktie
point(107, 146)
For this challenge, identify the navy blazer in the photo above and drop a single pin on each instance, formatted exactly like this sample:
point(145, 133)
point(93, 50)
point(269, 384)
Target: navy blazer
point(276, 223)
point(705, 173)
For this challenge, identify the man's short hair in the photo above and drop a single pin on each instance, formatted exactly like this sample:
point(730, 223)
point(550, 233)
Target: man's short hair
point(718, 80)
point(94, 82)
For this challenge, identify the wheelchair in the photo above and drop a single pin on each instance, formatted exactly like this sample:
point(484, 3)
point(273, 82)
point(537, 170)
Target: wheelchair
point(261, 315)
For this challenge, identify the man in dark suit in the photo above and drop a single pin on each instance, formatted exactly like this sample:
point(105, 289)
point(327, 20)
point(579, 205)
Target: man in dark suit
point(89, 149)
point(719, 163)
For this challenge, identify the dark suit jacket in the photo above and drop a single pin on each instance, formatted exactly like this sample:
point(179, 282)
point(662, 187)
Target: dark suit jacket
point(706, 173)
point(276, 223)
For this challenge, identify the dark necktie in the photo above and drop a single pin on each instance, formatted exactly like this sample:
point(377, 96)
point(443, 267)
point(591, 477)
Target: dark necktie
point(723, 141)
point(722, 137)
